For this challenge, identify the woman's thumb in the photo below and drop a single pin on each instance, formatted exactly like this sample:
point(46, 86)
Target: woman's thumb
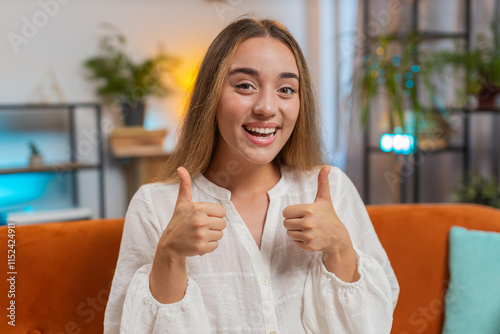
point(185, 186)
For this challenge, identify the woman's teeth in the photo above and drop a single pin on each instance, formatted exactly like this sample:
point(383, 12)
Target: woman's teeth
point(261, 132)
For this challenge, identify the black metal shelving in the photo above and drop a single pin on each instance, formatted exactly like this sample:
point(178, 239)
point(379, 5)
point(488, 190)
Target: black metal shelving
point(418, 153)
point(72, 166)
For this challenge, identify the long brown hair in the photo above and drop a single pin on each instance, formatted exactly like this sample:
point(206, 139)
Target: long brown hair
point(199, 133)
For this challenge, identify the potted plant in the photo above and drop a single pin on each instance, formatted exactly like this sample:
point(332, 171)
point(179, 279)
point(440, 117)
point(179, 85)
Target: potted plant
point(130, 82)
point(480, 190)
point(36, 159)
point(395, 75)
point(481, 67)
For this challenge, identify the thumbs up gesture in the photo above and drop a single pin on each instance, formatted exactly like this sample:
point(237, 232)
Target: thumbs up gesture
point(195, 228)
point(315, 226)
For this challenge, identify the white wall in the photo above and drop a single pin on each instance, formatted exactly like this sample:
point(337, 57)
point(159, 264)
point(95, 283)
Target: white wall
point(70, 34)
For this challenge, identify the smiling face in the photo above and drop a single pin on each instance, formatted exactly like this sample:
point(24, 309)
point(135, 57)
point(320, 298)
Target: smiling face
point(259, 102)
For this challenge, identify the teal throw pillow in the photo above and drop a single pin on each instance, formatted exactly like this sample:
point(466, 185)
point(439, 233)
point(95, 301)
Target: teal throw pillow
point(472, 303)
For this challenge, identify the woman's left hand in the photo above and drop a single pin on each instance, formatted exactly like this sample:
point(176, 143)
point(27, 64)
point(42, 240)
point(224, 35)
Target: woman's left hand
point(316, 227)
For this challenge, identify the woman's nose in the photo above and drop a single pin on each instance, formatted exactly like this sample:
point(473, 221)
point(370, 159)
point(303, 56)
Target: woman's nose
point(265, 103)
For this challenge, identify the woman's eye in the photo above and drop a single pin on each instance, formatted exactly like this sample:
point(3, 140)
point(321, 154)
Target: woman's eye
point(243, 86)
point(287, 90)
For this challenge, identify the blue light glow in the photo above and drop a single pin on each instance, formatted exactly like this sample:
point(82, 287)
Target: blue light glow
point(397, 143)
point(415, 68)
point(397, 77)
point(396, 61)
point(16, 189)
point(386, 142)
point(409, 84)
point(29, 209)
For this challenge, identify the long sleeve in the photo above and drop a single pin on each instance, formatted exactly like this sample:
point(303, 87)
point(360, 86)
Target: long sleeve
point(365, 306)
point(131, 307)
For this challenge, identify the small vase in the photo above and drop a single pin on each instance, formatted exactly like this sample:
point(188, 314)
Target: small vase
point(36, 160)
point(133, 113)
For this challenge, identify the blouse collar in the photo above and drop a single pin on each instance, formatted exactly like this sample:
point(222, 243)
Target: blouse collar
point(220, 193)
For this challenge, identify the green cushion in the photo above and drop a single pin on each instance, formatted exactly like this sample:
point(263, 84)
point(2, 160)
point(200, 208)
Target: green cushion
point(472, 303)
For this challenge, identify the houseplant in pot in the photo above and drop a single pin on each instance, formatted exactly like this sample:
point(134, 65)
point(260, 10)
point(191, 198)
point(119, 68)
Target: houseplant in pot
point(123, 80)
point(36, 159)
point(392, 71)
point(480, 66)
point(480, 190)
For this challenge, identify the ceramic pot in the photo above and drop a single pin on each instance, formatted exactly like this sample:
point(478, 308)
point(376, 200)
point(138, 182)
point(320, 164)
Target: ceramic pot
point(36, 160)
point(133, 113)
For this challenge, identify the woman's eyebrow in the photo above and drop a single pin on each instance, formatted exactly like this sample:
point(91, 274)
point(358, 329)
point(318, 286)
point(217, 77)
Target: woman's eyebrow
point(245, 70)
point(255, 73)
point(285, 75)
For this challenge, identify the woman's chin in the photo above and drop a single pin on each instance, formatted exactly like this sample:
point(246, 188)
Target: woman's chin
point(260, 159)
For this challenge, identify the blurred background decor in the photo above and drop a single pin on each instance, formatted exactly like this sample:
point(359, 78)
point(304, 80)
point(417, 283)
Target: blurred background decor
point(125, 81)
point(417, 128)
point(480, 190)
point(36, 159)
point(480, 66)
point(390, 73)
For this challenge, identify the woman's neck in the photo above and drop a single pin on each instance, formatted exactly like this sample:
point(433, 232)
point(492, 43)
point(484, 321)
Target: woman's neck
point(242, 178)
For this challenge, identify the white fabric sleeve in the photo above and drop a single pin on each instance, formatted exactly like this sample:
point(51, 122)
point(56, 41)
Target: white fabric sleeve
point(362, 307)
point(131, 308)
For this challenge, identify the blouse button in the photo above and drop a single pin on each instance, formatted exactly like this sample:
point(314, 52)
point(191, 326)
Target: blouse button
point(265, 281)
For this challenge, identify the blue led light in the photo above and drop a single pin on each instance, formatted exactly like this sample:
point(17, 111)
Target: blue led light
point(386, 142)
point(397, 77)
point(415, 68)
point(397, 143)
point(408, 76)
point(409, 84)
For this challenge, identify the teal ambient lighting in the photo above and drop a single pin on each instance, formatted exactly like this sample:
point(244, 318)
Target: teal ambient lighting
point(16, 189)
point(399, 143)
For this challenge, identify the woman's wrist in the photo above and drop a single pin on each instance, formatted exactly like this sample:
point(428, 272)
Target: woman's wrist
point(343, 264)
point(168, 279)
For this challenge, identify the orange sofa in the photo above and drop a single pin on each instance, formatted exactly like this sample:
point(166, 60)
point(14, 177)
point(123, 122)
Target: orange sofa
point(64, 270)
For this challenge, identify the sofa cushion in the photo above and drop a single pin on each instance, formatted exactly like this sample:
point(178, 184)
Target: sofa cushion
point(472, 303)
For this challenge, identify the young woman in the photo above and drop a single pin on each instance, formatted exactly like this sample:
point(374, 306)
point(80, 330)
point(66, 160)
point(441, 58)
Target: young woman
point(252, 234)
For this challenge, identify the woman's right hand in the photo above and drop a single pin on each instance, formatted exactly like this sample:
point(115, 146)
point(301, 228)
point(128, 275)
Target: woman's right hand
point(195, 229)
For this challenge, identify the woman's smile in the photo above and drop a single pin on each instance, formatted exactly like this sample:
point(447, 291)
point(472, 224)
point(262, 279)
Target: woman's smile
point(261, 133)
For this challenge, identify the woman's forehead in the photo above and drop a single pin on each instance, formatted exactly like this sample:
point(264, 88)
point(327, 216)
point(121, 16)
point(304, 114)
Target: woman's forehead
point(264, 54)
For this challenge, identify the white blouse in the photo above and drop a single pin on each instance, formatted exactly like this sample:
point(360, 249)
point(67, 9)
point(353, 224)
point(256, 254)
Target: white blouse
point(241, 289)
